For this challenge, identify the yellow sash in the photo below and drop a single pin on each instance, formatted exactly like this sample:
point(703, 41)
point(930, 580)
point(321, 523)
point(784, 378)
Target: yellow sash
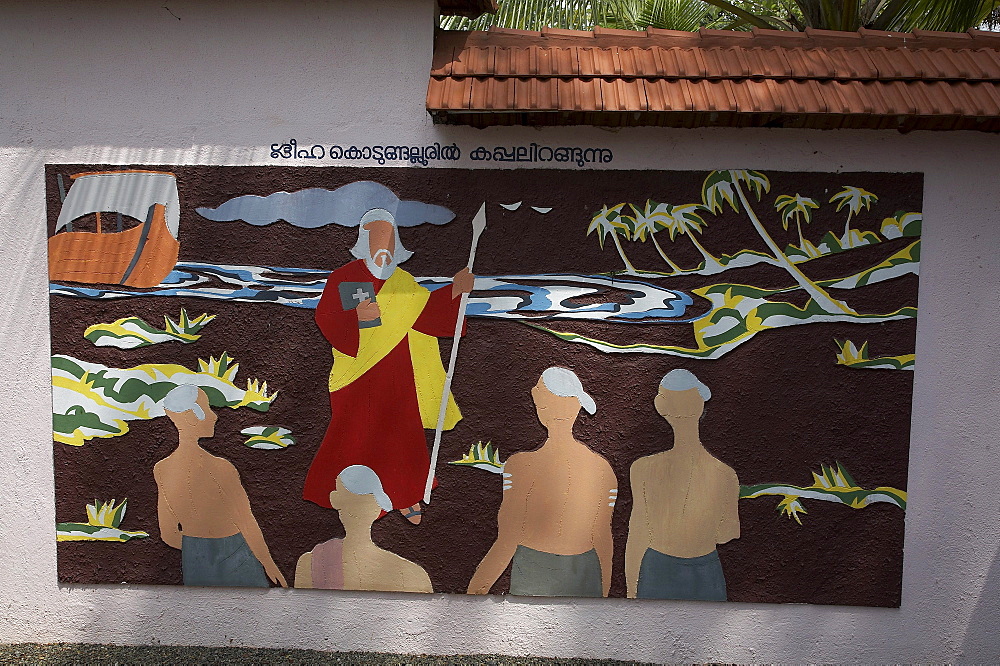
point(401, 300)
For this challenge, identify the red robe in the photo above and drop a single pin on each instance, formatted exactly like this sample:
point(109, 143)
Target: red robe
point(375, 420)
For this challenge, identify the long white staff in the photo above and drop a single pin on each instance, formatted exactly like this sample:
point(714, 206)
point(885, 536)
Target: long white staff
point(478, 224)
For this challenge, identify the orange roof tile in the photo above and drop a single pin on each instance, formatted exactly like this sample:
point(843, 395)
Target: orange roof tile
point(814, 79)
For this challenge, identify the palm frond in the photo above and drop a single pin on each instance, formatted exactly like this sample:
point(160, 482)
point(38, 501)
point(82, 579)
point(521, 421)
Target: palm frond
point(847, 15)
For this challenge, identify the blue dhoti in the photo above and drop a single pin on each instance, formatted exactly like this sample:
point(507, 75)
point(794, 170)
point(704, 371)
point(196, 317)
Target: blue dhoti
point(224, 561)
point(664, 576)
point(539, 574)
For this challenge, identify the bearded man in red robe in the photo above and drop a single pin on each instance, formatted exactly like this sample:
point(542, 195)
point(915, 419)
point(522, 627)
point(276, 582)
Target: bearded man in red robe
point(387, 377)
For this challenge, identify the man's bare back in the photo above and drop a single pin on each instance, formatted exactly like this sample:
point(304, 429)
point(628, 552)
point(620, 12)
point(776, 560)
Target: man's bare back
point(684, 503)
point(200, 495)
point(191, 481)
point(690, 501)
point(557, 502)
point(565, 494)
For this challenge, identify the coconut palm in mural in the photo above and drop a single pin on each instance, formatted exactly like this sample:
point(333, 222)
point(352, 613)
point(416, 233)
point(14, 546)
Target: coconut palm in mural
point(798, 209)
point(645, 224)
point(685, 220)
point(855, 198)
point(610, 221)
point(723, 187)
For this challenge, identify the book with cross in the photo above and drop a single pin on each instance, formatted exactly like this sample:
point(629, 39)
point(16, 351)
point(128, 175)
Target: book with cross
point(351, 296)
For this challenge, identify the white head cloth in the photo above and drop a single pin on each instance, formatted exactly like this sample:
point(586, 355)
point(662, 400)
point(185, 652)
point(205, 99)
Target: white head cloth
point(183, 398)
point(362, 480)
point(680, 379)
point(564, 383)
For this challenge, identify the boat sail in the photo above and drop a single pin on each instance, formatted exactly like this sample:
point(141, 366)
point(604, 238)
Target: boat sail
point(141, 256)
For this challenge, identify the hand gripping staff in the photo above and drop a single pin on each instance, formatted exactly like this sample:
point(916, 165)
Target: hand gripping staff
point(478, 224)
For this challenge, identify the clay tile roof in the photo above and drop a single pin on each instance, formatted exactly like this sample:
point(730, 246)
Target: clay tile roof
point(813, 79)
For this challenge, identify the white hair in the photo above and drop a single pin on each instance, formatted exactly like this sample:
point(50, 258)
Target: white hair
point(183, 398)
point(362, 250)
point(680, 379)
point(362, 480)
point(564, 383)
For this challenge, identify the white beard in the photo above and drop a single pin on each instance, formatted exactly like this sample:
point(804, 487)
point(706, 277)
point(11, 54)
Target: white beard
point(381, 272)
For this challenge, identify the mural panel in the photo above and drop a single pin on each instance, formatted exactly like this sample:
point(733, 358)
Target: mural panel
point(652, 384)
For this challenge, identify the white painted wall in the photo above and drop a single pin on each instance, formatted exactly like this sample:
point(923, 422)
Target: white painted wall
point(214, 82)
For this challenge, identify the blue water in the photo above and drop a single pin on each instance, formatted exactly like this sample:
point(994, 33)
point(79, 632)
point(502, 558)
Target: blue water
point(518, 297)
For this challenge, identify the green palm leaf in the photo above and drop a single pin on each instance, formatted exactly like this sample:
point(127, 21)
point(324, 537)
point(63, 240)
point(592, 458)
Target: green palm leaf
point(795, 208)
point(676, 220)
point(848, 15)
point(720, 187)
point(855, 198)
point(610, 221)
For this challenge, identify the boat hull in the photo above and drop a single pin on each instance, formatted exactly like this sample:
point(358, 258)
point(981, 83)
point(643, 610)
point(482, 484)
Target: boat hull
point(139, 257)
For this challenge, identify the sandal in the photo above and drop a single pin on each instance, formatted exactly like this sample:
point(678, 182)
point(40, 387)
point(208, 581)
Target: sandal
point(413, 513)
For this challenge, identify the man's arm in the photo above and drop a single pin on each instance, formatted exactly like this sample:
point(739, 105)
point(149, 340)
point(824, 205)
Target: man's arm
point(169, 532)
point(510, 527)
point(303, 570)
point(242, 515)
point(729, 522)
point(638, 529)
point(603, 541)
point(441, 312)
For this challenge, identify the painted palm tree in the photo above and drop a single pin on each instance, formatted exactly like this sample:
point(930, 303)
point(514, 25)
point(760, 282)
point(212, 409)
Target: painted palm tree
point(691, 15)
point(722, 187)
point(645, 225)
point(610, 221)
point(798, 209)
point(855, 198)
point(685, 220)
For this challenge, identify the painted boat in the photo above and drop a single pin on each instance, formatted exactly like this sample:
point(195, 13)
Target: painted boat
point(141, 256)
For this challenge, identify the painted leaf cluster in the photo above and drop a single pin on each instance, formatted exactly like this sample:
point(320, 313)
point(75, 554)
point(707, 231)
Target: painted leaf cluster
point(833, 483)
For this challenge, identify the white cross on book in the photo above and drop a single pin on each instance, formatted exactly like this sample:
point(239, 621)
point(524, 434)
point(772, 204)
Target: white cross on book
point(360, 295)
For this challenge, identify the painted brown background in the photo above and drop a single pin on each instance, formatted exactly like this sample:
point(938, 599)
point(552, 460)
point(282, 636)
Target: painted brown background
point(780, 405)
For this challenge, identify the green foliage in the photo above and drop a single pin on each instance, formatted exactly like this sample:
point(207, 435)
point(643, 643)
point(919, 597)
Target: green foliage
point(93, 400)
point(855, 198)
point(133, 332)
point(795, 208)
point(481, 456)
point(738, 313)
point(610, 221)
point(833, 483)
point(904, 262)
point(852, 356)
point(690, 15)
point(586, 14)
point(902, 224)
point(721, 187)
point(268, 437)
point(103, 520)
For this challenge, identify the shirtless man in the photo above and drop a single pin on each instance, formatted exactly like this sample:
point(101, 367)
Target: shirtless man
point(683, 504)
point(203, 509)
point(355, 562)
point(555, 517)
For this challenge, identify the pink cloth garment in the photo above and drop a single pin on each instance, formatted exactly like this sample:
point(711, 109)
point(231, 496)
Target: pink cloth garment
point(328, 565)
